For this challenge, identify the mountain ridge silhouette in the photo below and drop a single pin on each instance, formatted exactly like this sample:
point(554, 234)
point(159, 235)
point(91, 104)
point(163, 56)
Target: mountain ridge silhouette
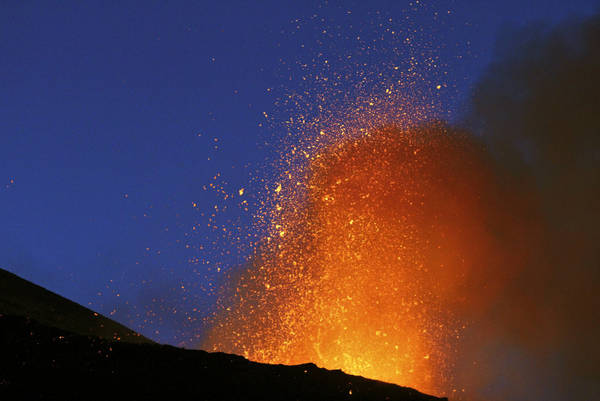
point(44, 360)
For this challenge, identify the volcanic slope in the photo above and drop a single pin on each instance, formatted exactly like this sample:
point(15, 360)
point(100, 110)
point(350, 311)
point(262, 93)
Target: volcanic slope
point(44, 360)
point(23, 298)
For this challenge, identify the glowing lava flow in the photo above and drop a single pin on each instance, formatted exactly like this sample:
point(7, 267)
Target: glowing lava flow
point(376, 251)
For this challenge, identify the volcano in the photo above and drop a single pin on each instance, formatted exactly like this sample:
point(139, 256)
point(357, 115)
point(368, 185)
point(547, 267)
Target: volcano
point(55, 349)
point(20, 297)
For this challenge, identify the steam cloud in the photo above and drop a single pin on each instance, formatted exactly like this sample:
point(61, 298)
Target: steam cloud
point(538, 107)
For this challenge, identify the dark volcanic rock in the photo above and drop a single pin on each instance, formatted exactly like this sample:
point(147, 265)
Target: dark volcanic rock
point(22, 298)
point(42, 361)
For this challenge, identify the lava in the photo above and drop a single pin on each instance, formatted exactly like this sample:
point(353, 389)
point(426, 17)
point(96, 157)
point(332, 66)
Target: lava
point(379, 251)
point(405, 250)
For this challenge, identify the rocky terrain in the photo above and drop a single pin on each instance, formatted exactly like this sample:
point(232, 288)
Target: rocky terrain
point(48, 353)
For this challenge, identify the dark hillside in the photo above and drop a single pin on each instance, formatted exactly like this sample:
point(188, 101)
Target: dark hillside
point(45, 363)
point(73, 354)
point(22, 298)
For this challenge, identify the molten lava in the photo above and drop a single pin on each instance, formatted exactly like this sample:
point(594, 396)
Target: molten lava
point(379, 251)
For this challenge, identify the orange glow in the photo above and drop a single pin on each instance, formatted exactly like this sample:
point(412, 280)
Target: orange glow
point(375, 261)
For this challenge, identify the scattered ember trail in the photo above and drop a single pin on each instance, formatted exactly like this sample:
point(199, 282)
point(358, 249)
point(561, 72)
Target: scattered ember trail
point(387, 235)
point(367, 267)
point(402, 250)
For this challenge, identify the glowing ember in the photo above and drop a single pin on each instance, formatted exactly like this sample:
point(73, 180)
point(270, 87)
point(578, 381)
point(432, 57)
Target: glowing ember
point(395, 229)
point(394, 247)
point(380, 242)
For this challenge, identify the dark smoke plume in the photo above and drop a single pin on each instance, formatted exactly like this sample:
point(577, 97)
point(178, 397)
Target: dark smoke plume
point(538, 108)
point(461, 266)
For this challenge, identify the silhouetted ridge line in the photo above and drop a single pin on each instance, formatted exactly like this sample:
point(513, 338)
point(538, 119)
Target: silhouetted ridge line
point(44, 361)
point(23, 298)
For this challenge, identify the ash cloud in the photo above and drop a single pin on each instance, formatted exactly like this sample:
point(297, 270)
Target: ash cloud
point(538, 109)
point(507, 233)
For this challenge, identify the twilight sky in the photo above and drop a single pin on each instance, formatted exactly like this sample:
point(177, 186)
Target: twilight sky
point(114, 115)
